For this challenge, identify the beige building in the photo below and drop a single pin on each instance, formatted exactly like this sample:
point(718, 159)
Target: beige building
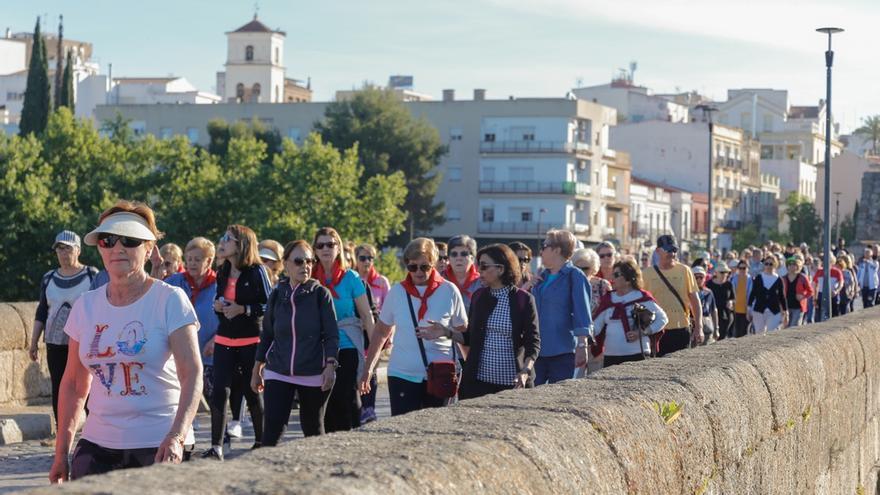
point(514, 169)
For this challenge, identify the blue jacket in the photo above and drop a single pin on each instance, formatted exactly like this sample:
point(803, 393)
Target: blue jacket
point(563, 310)
point(204, 306)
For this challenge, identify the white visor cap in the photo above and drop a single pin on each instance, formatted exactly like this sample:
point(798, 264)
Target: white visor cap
point(123, 223)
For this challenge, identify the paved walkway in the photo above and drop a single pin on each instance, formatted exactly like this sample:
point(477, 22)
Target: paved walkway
point(26, 465)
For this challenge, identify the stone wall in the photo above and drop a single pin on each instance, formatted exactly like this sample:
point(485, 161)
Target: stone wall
point(22, 381)
point(792, 412)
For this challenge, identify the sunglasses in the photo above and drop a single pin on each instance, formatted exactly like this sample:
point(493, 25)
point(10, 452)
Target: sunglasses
point(322, 245)
point(303, 261)
point(412, 268)
point(585, 268)
point(459, 254)
point(365, 258)
point(606, 255)
point(740, 268)
point(107, 241)
point(486, 266)
point(546, 246)
point(443, 257)
point(768, 264)
point(226, 238)
point(525, 261)
point(617, 275)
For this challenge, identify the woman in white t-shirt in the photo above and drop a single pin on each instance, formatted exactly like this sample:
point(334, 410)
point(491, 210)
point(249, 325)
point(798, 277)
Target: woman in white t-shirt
point(438, 307)
point(134, 339)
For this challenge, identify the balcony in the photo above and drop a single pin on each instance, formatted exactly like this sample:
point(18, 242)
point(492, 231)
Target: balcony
point(534, 187)
point(730, 224)
point(608, 192)
point(533, 147)
point(530, 228)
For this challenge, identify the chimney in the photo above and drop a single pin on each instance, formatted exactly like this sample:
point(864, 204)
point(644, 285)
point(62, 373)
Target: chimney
point(479, 94)
point(448, 95)
point(8, 33)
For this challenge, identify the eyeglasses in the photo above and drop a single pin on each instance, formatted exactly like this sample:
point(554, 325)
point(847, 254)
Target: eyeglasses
point(486, 266)
point(303, 261)
point(107, 241)
point(768, 264)
point(443, 257)
point(364, 259)
point(412, 268)
point(606, 255)
point(617, 275)
point(226, 238)
point(459, 254)
point(740, 268)
point(322, 245)
point(525, 261)
point(546, 245)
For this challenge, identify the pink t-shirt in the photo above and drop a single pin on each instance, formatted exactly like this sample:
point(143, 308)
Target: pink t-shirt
point(305, 381)
point(229, 291)
point(379, 290)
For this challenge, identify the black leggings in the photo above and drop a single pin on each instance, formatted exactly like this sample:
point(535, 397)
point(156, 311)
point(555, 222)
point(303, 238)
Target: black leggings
point(226, 359)
point(740, 325)
point(344, 408)
point(90, 458)
point(278, 397)
point(407, 396)
point(614, 360)
point(56, 359)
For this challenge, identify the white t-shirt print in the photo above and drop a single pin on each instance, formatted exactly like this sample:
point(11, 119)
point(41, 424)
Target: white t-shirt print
point(135, 390)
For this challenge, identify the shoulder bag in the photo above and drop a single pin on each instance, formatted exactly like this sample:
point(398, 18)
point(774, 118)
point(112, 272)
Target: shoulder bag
point(442, 375)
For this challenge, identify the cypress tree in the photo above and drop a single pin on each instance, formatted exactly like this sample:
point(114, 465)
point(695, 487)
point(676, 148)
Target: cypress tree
point(67, 99)
point(35, 112)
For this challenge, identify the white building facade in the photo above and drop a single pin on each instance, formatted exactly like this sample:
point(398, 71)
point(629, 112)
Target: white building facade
point(254, 65)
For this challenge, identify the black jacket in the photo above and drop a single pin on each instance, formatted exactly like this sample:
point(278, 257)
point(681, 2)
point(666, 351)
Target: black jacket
point(317, 336)
point(764, 298)
point(526, 335)
point(251, 291)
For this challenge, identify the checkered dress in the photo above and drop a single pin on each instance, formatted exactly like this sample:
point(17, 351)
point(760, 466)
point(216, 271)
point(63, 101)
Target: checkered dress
point(498, 361)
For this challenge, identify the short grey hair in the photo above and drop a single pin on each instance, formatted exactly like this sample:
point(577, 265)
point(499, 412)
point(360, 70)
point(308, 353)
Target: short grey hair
point(462, 240)
point(590, 257)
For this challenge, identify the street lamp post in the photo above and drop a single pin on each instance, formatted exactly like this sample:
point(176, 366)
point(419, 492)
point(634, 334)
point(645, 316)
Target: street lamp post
point(707, 111)
point(826, 228)
point(836, 216)
point(538, 233)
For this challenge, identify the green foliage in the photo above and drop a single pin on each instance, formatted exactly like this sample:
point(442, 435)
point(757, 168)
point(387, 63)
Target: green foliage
point(389, 140)
point(221, 132)
point(870, 129)
point(804, 223)
point(669, 411)
point(65, 178)
point(389, 263)
point(750, 235)
point(66, 93)
point(37, 103)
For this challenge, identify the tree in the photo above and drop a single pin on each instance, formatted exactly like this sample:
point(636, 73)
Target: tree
point(389, 140)
point(870, 130)
point(804, 223)
point(221, 132)
point(118, 129)
point(37, 105)
point(67, 95)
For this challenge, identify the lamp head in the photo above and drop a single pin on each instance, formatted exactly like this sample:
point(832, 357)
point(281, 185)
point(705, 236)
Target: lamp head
point(830, 30)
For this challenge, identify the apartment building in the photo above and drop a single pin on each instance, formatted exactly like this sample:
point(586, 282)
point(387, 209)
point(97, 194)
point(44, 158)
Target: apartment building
point(515, 167)
point(658, 209)
point(633, 103)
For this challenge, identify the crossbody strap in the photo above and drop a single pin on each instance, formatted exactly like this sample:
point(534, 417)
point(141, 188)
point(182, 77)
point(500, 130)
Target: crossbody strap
point(671, 289)
point(412, 314)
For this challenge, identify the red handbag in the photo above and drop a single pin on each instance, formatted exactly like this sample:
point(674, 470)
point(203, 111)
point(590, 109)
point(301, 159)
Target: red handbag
point(443, 374)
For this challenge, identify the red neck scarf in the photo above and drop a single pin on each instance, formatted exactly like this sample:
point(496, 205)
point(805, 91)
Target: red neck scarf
point(335, 277)
point(210, 278)
point(619, 313)
point(472, 275)
point(372, 277)
point(434, 281)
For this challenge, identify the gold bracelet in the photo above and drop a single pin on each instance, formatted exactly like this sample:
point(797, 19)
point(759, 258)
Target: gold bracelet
point(177, 437)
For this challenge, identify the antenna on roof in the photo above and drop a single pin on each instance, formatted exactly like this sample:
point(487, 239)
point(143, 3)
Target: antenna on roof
point(632, 70)
point(256, 9)
point(579, 82)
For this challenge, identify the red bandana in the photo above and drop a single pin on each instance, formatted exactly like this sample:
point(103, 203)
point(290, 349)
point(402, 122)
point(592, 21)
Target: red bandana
point(210, 278)
point(472, 275)
point(434, 281)
point(372, 277)
point(619, 313)
point(336, 277)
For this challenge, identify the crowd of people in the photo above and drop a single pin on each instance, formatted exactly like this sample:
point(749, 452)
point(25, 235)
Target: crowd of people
point(303, 325)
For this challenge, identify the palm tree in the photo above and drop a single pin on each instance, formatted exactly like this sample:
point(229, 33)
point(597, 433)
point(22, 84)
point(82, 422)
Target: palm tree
point(870, 130)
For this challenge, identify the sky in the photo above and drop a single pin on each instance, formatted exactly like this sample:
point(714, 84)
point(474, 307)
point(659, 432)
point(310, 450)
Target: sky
point(524, 48)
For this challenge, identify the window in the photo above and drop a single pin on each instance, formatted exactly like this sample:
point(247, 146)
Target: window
point(249, 53)
point(766, 152)
point(455, 134)
point(520, 214)
point(138, 127)
point(255, 93)
point(488, 214)
point(454, 174)
point(489, 174)
point(192, 133)
point(612, 181)
point(165, 133)
point(277, 56)
point(529, 136)
point(453, 214)
point(526, 216)
point(239, 91)
point(522, 173)
point(489, 137)
point(293, 133)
